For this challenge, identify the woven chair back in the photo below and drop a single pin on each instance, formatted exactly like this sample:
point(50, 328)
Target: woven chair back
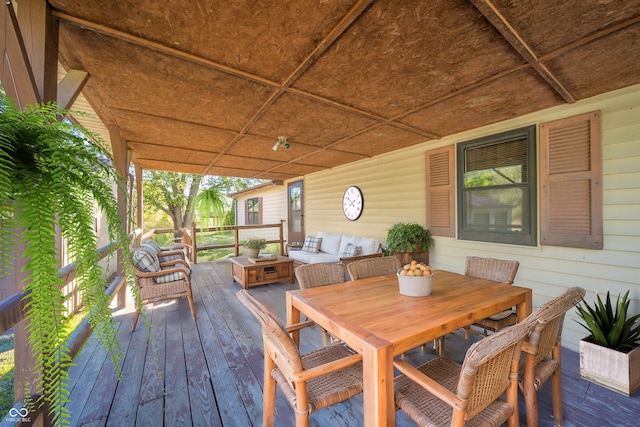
point(320, 274)
point(487, 366)
point(498, 270)
point(276, 338)
point(550, 320)
point(373, 267)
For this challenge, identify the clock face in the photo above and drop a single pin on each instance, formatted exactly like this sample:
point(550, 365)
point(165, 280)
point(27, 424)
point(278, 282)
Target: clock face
point(352, 203)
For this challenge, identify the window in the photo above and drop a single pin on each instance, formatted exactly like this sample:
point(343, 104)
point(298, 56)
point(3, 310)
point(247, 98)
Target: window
point(497, 188)
point(253, 211)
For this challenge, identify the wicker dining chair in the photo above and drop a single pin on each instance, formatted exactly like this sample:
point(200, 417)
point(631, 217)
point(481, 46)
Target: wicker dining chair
point(441, 392)
point(371, 267)
point(321, 274)
point(500, 271)
point(543, 355)
point(310, 382)
point(161, 281)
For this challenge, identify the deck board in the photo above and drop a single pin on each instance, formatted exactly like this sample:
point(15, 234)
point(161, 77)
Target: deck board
point(209, 372)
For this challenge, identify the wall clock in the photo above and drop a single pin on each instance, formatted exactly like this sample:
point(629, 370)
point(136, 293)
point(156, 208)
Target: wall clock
point(352, 203)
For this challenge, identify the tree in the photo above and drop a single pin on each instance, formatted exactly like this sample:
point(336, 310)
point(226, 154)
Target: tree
point(180, 197)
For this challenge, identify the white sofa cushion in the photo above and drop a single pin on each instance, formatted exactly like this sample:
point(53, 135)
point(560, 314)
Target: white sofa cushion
point(312, 257)
point(369, 246)
point(330, 242)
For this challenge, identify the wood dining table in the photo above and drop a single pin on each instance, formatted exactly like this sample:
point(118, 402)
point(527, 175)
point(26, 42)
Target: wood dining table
point(372, 317)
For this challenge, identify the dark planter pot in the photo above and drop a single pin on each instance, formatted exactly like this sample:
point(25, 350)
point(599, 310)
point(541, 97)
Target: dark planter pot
point(418, 255)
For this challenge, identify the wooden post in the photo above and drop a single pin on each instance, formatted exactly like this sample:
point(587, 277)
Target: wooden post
point(236, 236)
point(282, 237)
point(194, 242)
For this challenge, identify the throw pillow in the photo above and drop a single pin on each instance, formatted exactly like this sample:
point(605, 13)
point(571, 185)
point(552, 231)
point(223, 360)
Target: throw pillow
point(149, 247)
point(172, 277)
point(153, 244)
point(351, 250)
point(146, 261)
point(312, 244)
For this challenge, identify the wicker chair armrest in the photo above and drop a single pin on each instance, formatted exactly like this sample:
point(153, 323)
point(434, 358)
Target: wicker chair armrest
point(298, 326)
point(347, 260)
point(173, 263)
point(170, 252)
point(433, 387)
point(324, 369)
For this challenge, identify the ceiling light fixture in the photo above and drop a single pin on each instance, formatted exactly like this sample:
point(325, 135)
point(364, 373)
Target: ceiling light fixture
point(281, 142)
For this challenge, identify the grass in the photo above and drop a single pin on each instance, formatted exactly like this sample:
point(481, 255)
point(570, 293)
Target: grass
point(7, 365)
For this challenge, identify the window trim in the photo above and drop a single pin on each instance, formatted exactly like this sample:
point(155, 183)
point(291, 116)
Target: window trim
point(522, 239)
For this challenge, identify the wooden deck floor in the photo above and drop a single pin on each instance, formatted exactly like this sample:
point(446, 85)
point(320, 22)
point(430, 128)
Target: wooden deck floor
point(209, 372)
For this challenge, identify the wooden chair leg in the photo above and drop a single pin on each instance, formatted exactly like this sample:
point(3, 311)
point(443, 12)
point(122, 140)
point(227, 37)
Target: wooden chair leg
point(135, 320)
point(269, 398)
point(531, 403)
point(556, 389)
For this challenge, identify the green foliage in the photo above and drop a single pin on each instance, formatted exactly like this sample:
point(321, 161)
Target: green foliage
point(406, 237)
point(610, 327)
point(255, 243)
point(52, 174)
point(211, 201)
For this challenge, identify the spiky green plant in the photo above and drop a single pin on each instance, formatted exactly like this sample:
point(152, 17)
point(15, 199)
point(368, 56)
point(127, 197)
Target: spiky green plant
point(52, 174)
point(610, 327)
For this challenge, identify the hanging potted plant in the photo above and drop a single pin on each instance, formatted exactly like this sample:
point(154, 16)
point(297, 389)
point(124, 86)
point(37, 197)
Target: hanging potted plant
point(254, 245)
point(409, 241)
point(52, 175)
point(610, 355)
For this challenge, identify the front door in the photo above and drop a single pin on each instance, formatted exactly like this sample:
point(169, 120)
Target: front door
point(296, 213)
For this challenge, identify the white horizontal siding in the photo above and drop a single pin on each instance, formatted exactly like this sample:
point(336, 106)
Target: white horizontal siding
point(393, 186)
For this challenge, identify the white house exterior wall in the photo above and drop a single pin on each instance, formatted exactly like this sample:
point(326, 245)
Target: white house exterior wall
point(393, 186)
point(274, 208)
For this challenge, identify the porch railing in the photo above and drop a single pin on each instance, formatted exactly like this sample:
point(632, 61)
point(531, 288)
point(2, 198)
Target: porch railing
point(189, 239)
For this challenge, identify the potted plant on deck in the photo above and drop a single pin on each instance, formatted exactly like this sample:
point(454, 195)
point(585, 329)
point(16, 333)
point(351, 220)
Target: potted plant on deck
point(254, 245)
point(610, 355)
point(409, 241)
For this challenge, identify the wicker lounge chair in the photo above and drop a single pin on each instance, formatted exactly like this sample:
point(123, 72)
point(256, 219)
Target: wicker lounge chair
point(542, 351)
point(310, 382)
point(373, 267)
point(161, 281)
point(441, 392)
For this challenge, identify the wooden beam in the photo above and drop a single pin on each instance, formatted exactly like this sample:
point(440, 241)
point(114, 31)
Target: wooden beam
point(70, 87)
point(499, 21)
point(16, 74)
point(40, 34)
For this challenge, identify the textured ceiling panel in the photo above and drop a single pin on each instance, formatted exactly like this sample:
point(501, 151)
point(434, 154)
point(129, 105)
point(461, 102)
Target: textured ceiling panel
point(208, 87)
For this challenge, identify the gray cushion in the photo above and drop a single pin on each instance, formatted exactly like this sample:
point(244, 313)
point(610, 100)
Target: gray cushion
point(172, 277)
point(312, 244)
point(146, 261)
point(351, 250)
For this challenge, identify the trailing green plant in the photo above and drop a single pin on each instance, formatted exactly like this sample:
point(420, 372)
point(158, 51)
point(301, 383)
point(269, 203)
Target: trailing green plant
point(609, 326)
point(255, 243)
point(53, 175)
point(408, 237)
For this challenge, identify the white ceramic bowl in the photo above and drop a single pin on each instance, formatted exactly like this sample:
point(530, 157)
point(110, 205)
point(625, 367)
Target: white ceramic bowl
point(413, 286)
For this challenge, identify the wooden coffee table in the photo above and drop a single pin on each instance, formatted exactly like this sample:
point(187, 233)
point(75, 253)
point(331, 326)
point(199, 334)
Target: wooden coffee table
point(250, 274)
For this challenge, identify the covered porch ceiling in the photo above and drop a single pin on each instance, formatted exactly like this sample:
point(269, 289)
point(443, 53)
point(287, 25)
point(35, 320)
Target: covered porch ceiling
point(207, 87)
